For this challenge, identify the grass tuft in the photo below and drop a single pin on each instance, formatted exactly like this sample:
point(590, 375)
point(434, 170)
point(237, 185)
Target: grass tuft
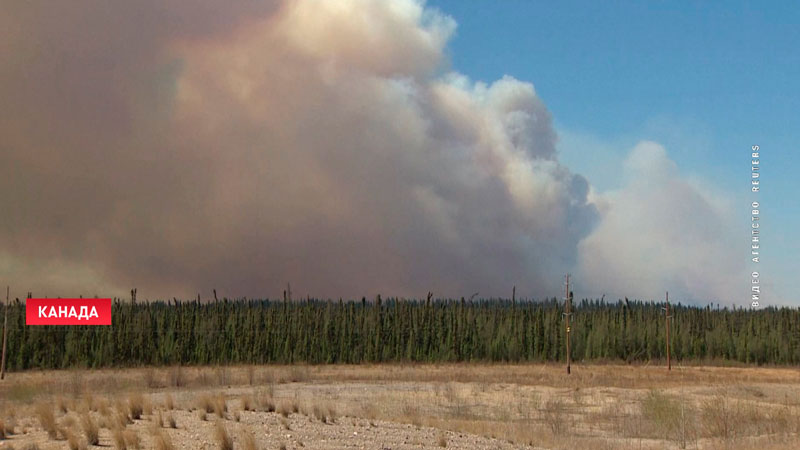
point(47, 419)
point(90, 429)
point(224, 440)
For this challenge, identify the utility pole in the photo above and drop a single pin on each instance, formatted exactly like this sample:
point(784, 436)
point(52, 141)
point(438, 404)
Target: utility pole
point(666, 319)
point(567, 313)
point(5, 335)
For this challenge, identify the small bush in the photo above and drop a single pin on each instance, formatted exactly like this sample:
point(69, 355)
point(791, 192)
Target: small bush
point(249, 440)
point(161, 440)
point(247, 402)
point(224, 440)
point(169, 402)
point(72, 440)
point(47, 419)
point(118, 437)
point(131, 439)
point(90, 429)
point(136, 406)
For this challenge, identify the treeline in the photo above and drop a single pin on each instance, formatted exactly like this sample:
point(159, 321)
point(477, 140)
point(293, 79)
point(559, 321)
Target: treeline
point(314, 331)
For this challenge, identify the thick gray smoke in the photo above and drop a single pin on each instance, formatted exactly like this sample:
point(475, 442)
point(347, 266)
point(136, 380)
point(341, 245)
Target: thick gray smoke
point(184, 146)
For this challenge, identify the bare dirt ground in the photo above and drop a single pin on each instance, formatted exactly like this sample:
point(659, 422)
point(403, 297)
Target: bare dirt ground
point(403, 407)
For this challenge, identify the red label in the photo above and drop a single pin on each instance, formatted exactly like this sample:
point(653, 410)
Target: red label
point(68, 311)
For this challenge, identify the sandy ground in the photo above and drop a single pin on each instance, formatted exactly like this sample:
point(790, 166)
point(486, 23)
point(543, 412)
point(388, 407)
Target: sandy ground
point(407, 407)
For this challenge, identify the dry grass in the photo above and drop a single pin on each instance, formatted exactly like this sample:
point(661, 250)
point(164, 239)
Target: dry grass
point(248, 440)
point(73, 442)
point(161, 440)
point(220, 407)
point(171, 421)
point(442, 440)
point(596, 407)
point(118, 436)
point(176, 377)
point(90, 429)
point(47, 420)
point(131, 439)
point(224, 441)
point(285, 408)
point(247, 402)
point(169, 402)
point(136, 404)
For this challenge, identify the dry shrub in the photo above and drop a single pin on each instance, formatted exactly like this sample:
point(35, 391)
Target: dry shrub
point(265, 402)
point(150, 379)
point(102, 407)
point(171, 421)
point(206, 403)
point(223, 378)
point(370, 412)
point(176, 377)
point(122, 413)
point(161, 440)
point(237, 416)
point(298, 374)
point(248, 440)
point(131, 439)
point(285, 409)
point(169, 402)
point(554, 415)
point(224, 440)
point(90, 429)
point(76, 383)
point(72, 440)
point(318, 413)
point(68, 422)
point(118, 437)
point(247, 402)
point(285, 423)
point(2, 430)
point(61, 405)
point(202, 415)
point(158, 420)
point(136, 406)
point(718, 417)
point(325, 414)
point(411, 414)
point(442, 440)
point(47, 419)
point(147, 406)
point(220, 407)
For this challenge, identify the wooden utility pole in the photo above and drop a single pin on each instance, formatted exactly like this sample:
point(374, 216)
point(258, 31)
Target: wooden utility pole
point(666, 319)
point(5, 335)
point(567, 313)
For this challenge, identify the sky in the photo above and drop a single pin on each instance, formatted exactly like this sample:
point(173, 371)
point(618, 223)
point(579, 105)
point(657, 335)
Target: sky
point(704, 79)
point(364, 147)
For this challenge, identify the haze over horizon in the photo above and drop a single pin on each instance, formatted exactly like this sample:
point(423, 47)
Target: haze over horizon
point(340, 147)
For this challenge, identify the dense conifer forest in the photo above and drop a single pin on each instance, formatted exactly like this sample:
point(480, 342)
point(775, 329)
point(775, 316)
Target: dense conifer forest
point(395, 330)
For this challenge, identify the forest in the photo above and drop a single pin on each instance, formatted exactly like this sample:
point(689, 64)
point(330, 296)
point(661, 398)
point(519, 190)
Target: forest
point(247, 331)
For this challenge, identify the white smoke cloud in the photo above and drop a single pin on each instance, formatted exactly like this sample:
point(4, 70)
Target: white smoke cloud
point(663, 232)
point(189, 146)
point(314, 143)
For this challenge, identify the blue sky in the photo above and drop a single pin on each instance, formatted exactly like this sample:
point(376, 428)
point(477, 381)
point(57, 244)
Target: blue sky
point(704, 79)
